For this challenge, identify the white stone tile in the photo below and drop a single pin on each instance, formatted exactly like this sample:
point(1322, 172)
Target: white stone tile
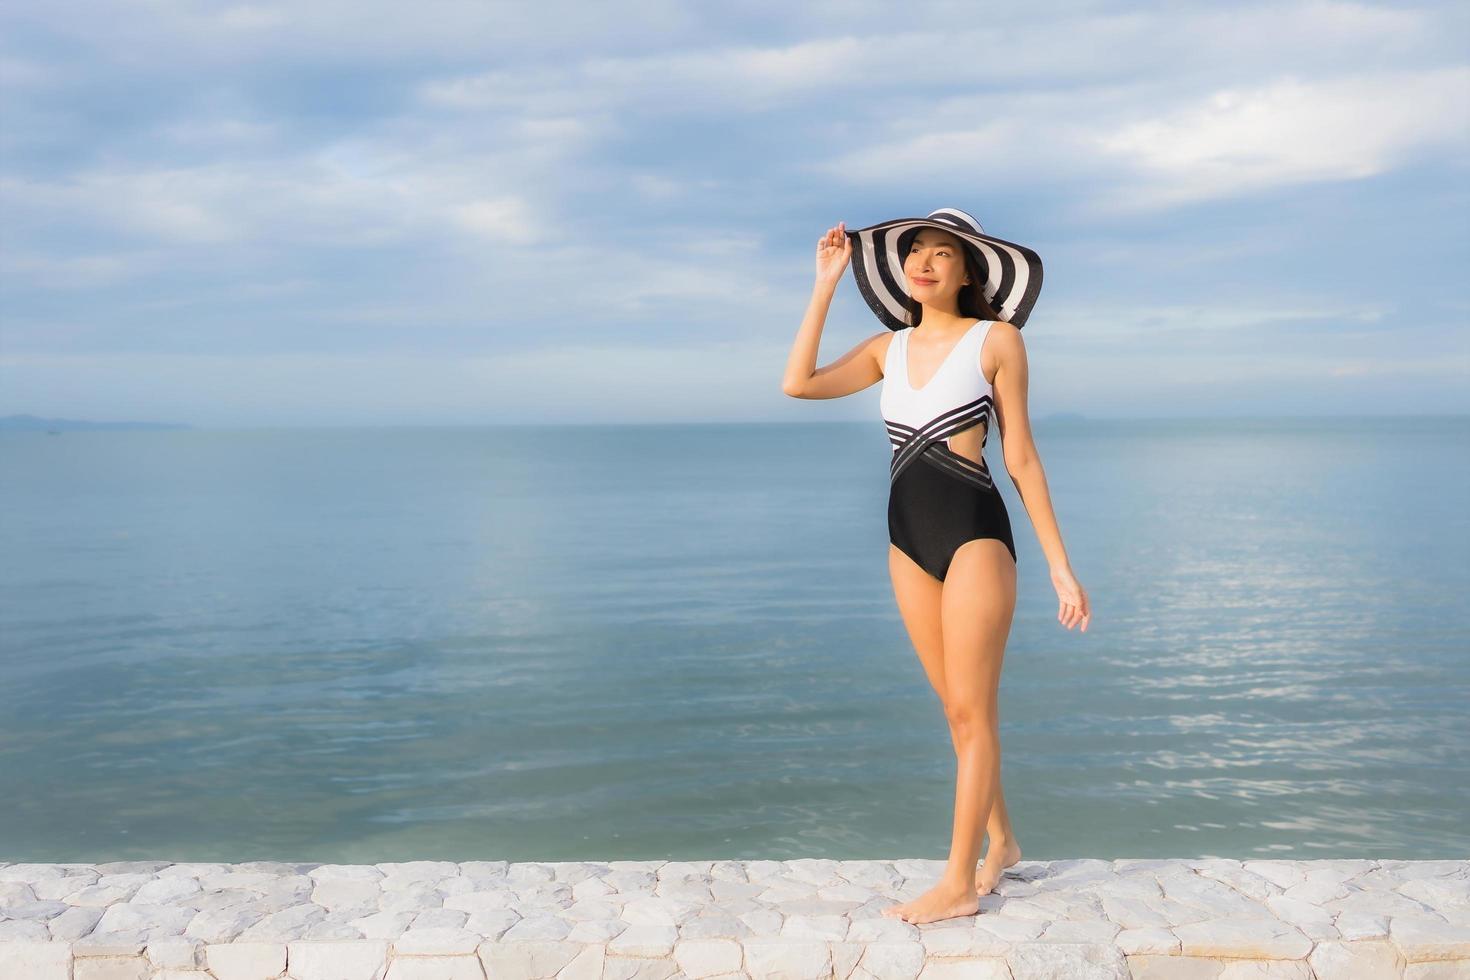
point(492, 923)
point(797, 959)
point(383, 925)
point(969, 968)
point(481, 900)
point(56, 889)
point(167, 891)
point(1429, 939)
point(222, 925)
point(440, 919)
point(891, 960)
point(346, 872)
point(644, 940)
point(1362, 925)
point(1151, 939)
point(245, 961)
point(1243, 937)
point(1444, 893)
point(594, 931)
point(112, 968)
point(1368, 960)
point(128, 943)
point(362, 960)
point(125, 916)
point(189, 870)
point(31, 872)
point(419, 870)
point(546, 927)
point(353, 893)
point(35, 960)
point(1092, 961)
point(799, 926)
point(331, 930)
point(1073, 931)
point(437, 942)
point(545, 958)
point(700, 958)
point(435, 968)
point(962, 940)
point(27, 930)
point(483, 869)
point(178, 953)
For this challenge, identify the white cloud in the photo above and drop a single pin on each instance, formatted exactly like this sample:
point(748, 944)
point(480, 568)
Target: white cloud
point(251, 17)
point(1213, 145)
point(501, 218)
point(1291, 131)
point(74, 271)
point(738, 79)
point(303, 202)
point(878, 65)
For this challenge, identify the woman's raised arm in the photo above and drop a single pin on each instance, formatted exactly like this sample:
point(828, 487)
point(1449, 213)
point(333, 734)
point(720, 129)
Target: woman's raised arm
point(858, 368)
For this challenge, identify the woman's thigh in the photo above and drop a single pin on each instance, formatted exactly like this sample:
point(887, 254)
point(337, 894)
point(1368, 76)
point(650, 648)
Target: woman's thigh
point(977, 604)
point(918, 594)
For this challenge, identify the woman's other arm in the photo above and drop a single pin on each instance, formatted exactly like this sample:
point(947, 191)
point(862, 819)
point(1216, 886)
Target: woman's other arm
point(1023, 464)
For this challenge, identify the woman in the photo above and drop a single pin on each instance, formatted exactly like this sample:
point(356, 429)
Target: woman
point(949, 362)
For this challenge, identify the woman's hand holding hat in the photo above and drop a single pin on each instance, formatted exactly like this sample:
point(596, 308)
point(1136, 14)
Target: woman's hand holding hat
point(833, 251)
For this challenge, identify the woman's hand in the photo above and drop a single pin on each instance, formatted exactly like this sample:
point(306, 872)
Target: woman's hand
point(1074, 605)
point(833, 251)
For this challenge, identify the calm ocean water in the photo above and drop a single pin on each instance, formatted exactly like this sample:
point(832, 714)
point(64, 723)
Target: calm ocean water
point(648, 642)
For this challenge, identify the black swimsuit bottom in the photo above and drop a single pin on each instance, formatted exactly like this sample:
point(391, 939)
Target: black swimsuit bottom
point(941, 500)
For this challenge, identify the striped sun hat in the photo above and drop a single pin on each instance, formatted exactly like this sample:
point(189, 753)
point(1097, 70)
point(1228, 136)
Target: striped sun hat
point(1012, 272)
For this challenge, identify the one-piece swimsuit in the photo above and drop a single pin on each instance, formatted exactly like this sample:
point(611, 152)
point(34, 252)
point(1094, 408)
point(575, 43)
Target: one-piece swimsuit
point(937, 498)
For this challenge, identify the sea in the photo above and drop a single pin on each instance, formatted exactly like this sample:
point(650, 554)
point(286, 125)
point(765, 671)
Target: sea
point(641, 642)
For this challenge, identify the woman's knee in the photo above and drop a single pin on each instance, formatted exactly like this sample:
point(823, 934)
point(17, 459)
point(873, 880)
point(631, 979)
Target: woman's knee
point(971, 719)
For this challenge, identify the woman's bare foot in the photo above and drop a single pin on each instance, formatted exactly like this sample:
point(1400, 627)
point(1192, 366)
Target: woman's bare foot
point(943, 901)
point(998, 857)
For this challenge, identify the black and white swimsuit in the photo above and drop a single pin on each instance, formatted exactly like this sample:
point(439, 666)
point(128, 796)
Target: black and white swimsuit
point(938, 499)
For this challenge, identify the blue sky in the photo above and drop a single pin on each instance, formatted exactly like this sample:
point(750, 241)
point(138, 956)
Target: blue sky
point(454, 213)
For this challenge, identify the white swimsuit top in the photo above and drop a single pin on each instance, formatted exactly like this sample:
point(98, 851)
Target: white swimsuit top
point(920, 421)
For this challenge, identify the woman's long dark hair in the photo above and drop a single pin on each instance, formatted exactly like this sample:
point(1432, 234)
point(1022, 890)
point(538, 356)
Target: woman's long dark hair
point(971, 298)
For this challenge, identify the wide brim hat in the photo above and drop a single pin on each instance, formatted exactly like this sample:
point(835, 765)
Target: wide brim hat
point(1011, 272)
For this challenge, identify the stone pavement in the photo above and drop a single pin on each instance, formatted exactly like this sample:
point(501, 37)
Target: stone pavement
point(438, 920)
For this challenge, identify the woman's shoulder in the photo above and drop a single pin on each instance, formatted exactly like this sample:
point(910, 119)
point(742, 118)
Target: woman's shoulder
point(1001, 338)
point(1003, 328)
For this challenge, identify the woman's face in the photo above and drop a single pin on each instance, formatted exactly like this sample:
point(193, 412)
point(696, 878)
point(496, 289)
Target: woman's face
point(934, 266)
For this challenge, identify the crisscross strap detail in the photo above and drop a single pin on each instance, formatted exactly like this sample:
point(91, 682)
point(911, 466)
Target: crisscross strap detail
point(927, 443)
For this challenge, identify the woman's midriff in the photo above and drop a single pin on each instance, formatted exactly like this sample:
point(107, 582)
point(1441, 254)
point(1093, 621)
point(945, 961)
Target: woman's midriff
point(968, 442)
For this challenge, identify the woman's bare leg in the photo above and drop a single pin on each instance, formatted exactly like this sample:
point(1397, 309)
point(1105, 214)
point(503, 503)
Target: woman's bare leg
point(919, 594)
point(977, 602)
point(919, 597)
point(1001, 851)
